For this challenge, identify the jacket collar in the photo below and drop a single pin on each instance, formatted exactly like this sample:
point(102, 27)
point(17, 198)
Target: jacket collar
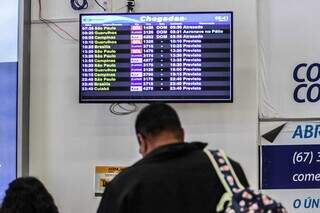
point(171, 151)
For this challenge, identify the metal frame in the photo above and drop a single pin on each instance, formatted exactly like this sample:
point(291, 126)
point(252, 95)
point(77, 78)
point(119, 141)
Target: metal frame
point(23, 88)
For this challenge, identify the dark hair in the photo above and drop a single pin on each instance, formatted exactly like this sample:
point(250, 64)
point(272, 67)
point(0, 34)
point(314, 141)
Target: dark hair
point(28, 195)
point(157, 118)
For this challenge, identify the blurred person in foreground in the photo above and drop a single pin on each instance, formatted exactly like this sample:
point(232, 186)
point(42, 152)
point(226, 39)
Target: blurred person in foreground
point(27, 195)
point(172, 177)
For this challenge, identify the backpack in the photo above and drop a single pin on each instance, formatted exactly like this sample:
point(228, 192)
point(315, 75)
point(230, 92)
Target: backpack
point(238, 199)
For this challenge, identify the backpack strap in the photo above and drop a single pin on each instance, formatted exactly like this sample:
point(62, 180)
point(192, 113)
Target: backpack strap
point(226, 174)
point(224, 170)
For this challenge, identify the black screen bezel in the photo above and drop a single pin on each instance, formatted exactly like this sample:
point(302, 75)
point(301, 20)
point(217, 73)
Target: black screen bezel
point(135, 100)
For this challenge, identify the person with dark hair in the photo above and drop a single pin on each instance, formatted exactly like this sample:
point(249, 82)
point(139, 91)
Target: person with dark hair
point(172, 177)
point(27, 195)
point(158, 125)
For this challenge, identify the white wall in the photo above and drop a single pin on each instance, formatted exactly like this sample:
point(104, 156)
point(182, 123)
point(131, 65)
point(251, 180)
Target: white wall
point(281, 51)
point(68, 139)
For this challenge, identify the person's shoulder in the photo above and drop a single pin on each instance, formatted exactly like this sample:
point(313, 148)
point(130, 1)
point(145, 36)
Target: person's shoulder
point(123, 186)
point(129, 176)
point(235, 164)
point(125, 174)
point(237, 169)
point(239, 172)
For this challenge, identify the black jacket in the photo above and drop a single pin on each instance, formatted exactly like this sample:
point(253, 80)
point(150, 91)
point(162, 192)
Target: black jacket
point(176, 178)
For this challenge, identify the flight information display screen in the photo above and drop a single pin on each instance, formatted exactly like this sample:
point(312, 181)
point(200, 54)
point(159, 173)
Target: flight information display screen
point(174, 57)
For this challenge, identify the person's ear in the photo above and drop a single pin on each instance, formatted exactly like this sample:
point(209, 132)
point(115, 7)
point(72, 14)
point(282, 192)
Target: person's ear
point(143, 146)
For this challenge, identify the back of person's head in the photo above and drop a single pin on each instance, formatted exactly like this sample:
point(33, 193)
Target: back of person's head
point(157, 118)
point(28, 195)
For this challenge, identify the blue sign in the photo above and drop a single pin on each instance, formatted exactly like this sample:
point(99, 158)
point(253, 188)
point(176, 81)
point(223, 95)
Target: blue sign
point(9, 15)
point(8, 108)
point(290, 166)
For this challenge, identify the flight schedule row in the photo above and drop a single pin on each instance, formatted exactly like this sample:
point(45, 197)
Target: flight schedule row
point(155, 58)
